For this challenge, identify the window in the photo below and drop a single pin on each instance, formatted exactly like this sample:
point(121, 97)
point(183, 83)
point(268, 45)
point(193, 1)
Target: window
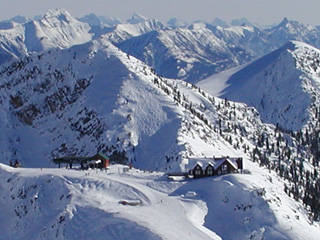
point(224, 168)
point(209, 171)
point(197, 172)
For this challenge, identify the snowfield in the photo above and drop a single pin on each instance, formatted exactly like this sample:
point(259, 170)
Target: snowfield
point(118, 204)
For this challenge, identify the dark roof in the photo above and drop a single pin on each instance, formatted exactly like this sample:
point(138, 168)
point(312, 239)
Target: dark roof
point(77, 159)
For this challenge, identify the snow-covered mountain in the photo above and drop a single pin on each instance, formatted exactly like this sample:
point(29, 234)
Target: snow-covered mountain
point(65, 100)
point(134, 28)
point(259, 41)
point(219, 22)
point(56, 29)
point(288, 30)
point(250, 38)
point(90, 98)
point(94, 20)
point(283, 85)
point(137, 18)
point(176, 23)
point(18, 19)
point(11, 41)
point(93, 97)
point(190, 54)
point(241, 22)
point(91, 19)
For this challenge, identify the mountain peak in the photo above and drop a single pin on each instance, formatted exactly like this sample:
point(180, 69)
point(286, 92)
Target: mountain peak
point(219, 22)
point(241, 22)
point(58, 13)
point(284, 22)
point(19, 19)
point(175, 22)
point(136, 18)
point(91, 19)
point(284, 81)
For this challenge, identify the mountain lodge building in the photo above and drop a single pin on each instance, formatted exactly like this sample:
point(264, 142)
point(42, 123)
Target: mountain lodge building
point(214, 166)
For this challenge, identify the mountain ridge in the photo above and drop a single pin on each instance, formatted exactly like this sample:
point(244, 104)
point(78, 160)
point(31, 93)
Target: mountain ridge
point(282, 86)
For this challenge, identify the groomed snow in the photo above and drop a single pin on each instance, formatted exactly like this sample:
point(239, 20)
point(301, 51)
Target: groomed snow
point(75, 204)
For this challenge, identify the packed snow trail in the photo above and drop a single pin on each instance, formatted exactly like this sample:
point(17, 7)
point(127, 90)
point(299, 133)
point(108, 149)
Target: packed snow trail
point(134, 204)
point(84, 198)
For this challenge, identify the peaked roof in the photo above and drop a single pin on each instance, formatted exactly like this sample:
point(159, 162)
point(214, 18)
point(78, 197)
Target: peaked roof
point(220, 162)
point(214, 162)
point(198, 163)
point(210, 164)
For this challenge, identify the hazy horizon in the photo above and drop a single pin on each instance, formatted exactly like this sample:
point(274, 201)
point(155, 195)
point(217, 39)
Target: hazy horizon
point(256, 11)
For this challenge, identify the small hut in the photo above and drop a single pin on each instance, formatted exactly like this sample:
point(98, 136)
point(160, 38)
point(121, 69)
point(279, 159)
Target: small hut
point(102, 160)
point(98, 160)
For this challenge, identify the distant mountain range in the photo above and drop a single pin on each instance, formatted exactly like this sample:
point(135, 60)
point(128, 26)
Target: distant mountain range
point(195, 52)
point(185, 51)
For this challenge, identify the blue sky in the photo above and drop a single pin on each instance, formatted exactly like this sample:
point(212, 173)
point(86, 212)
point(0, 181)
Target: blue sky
point(261, 11)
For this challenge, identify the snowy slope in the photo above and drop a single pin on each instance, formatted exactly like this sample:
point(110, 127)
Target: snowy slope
point(288, 30)
point(117, 31)
point(71, 204)
point(260, 41)
point(195, 52)
point(218, 82)
point(91, 98)
point(133, 28)
point(251, 38)
point(11, 41)
point(176, 23)
point(56, 29)
point(285, 83)
point(185, 53)
point(94, 20)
